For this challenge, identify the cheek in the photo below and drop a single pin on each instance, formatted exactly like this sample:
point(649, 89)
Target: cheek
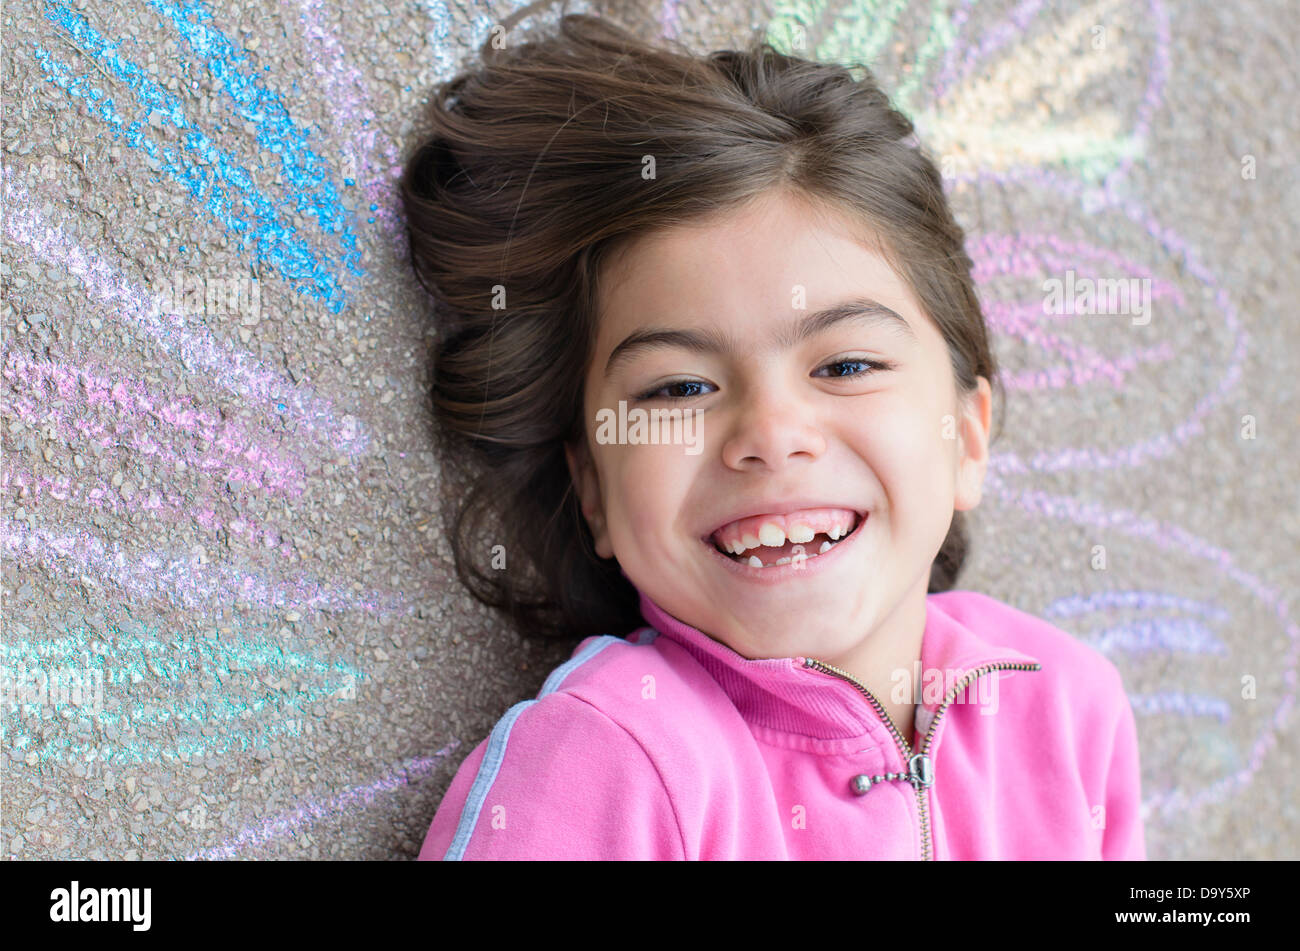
point(900, 441)
point(910, 457)
point(649, 485)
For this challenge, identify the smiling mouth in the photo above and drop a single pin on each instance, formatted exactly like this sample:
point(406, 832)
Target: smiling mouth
point(769, 556)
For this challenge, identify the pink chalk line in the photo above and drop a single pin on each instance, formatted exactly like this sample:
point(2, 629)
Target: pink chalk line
point(132, 399)
point(353, 122)
point(197, 349)
point(173, 506)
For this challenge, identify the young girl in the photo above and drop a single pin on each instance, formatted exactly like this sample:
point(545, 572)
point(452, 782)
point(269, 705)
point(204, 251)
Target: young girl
point(772, 661)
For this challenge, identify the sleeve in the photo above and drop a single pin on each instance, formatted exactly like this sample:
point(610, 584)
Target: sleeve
point(1123, 838)
point(556, 779)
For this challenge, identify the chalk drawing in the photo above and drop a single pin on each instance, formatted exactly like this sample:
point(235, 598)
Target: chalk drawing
point(1036, 256)
point(212, 174)
point(55, 384)
point(1224, 332)
point(178, 508)
point(177, 579)
point(1167, 800)
point(975, 120)
point(313, 810)
point(249, 690)
point(197, 349)
point(228, 691)
point(354, 124)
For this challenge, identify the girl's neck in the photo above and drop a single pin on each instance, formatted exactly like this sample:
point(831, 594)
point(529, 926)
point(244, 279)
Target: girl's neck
point(887, 657)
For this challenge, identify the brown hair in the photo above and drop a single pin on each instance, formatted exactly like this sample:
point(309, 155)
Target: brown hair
point(531, 179)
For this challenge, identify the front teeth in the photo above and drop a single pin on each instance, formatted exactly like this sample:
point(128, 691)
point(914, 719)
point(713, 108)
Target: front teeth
point(800, 533)
point(755, 562)
point(770, 535)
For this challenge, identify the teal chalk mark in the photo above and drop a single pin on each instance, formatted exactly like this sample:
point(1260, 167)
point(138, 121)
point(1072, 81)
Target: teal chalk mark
point(243, 706)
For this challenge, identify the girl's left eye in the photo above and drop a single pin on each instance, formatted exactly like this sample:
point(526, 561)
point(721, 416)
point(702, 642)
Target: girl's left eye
point(873, 364)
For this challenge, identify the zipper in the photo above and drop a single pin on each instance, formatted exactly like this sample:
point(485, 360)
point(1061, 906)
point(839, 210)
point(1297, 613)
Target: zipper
point(920, 768)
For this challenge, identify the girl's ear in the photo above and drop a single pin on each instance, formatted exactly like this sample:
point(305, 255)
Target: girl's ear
point(973, 446)
point(586, 483)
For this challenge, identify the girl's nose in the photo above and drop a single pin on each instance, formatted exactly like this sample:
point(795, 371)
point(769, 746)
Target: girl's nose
point(772, 428)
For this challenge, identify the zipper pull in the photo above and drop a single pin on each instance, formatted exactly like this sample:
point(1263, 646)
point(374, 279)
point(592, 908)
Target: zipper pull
point(922, 770)
point(920, 773)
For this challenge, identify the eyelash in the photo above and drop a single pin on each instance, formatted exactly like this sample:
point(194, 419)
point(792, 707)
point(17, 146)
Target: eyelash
point(875, 365)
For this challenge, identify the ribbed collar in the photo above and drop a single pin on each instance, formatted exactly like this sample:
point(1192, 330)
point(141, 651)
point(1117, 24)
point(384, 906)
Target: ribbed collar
point(781, 694)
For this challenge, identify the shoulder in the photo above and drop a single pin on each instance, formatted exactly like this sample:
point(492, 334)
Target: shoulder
point(584, 770)
point(643, 686)
point(617, 675)
point(587, 694)
point(1069, 665)
point(557, 778)
point(668, 709)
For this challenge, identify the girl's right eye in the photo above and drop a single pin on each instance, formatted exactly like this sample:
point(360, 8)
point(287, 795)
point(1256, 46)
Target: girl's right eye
point(668, 386)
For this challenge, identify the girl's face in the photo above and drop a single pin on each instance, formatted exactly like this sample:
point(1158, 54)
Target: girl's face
point(787, 420)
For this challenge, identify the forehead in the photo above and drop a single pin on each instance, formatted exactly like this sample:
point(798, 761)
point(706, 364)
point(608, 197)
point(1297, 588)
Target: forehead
point(744, 268)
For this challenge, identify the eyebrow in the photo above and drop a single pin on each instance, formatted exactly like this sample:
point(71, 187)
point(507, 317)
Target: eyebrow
point(861, 310)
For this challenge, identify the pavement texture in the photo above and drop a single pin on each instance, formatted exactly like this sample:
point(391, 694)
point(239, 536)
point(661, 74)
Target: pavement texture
point(229, 624)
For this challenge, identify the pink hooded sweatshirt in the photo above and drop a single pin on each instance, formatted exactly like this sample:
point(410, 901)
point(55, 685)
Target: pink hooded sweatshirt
point(668, 744)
